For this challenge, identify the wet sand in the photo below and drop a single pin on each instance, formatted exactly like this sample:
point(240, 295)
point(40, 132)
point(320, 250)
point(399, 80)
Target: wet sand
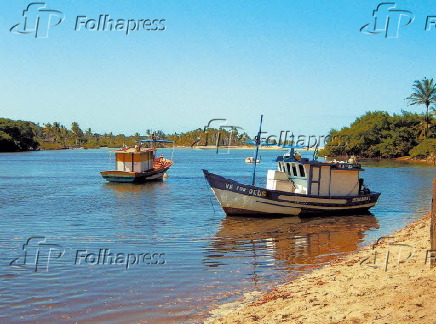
point(387, 282)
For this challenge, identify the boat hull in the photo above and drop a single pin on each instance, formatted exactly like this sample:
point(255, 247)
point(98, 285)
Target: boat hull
point(134, 177)
point(239, 199)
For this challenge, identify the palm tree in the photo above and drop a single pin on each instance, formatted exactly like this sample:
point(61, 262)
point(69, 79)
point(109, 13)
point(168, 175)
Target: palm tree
point(136, 137)
point(48, 129)
point(63, 134)
point(55, 130)
point(88, 133)
point(424, 94)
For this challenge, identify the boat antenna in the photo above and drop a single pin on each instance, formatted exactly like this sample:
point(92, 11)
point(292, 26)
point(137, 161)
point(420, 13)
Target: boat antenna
point(315, 153)
point(257, 140)
point(153, 137)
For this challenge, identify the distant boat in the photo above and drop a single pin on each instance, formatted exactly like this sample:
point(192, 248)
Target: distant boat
point(299, 186)
point(138, 164)
point(251, 160)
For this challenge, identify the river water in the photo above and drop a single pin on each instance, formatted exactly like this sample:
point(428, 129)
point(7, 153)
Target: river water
point(74, 248)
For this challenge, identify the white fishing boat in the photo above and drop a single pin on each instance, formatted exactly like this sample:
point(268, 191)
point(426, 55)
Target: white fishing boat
point(298, 186)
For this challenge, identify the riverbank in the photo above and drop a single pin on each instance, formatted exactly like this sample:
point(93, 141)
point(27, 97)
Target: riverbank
point(429, 160)
point(388, 282)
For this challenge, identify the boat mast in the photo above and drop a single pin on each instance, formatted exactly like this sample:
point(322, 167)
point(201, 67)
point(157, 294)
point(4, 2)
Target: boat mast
point(153, 138)
point(253, 179)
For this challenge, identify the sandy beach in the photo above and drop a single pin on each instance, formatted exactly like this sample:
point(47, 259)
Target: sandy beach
point(390, 281)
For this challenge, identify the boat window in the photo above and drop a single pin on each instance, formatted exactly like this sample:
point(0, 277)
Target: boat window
point(294, 170)
point(302, 170)
point(286, 167)
point(281, 167)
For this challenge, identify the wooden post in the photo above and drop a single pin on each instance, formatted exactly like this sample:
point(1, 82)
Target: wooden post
point(433, 223)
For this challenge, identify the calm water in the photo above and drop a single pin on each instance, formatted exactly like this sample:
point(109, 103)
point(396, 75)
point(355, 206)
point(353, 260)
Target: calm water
point(203, 258)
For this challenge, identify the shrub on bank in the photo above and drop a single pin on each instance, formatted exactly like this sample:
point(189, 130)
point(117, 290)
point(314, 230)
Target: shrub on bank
point(424, 149)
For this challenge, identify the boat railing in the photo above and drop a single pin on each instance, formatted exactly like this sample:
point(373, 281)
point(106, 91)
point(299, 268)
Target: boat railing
point(346, 165)
point(161, 162)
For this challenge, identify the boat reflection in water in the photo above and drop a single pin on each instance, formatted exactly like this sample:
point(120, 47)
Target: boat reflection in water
point(296, 244)
point(123, 189)
point(136, 204)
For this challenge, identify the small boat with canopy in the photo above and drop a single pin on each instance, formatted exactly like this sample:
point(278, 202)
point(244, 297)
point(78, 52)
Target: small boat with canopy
point(138, 164)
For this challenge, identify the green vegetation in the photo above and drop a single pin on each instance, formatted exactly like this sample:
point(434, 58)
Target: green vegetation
point(17, 135)
point(25, 136)
point(57, 136)
point(211, 136)
point(424, 94)
point(425, 149)
point(374, 135)
point(379, 135)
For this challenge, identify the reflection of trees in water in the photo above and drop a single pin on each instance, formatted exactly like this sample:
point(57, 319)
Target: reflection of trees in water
point(289, 242)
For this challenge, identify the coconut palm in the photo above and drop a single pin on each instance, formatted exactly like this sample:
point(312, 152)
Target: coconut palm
point(48, 129)
point(88, 133)
point(424, 94)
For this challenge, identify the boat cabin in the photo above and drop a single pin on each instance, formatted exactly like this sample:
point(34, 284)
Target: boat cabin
point(299, 175)
point(135, 159)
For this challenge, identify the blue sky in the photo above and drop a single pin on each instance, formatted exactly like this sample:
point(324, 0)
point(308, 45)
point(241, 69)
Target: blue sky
point(304, 65)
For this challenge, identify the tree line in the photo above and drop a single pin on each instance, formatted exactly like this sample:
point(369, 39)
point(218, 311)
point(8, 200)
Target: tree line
point(377, 134)
point(19, 135)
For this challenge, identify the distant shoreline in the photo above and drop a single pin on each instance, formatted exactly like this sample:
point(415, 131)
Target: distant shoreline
point(407, 159)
